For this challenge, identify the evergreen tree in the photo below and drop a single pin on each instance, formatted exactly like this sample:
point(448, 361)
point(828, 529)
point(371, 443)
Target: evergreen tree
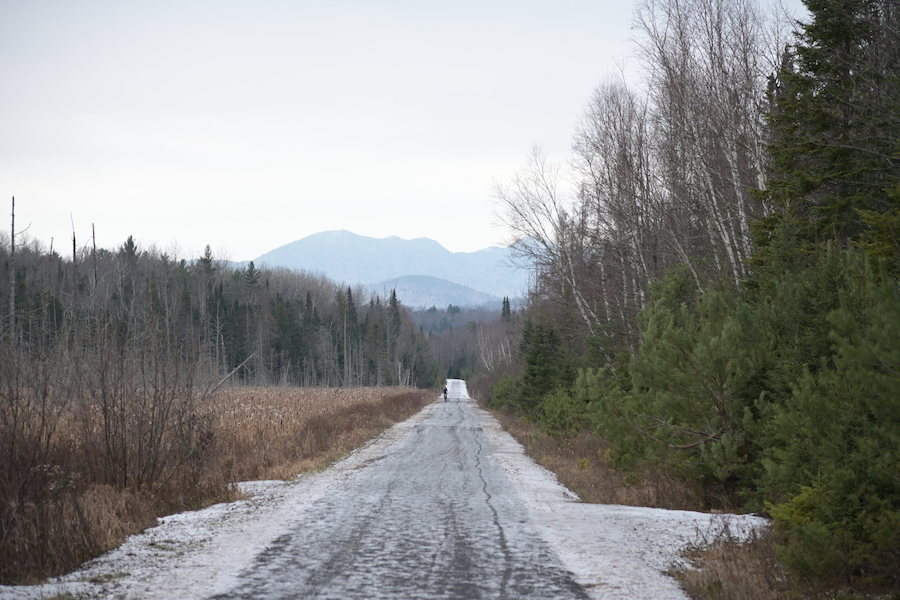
point(546, 365)
point(205, 262)
point(833, 446)
point(835, 125)
point(129, 250)
point(251, 275)
point(693, 385)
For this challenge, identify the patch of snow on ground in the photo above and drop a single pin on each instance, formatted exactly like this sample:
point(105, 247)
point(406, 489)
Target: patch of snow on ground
point(614, 552)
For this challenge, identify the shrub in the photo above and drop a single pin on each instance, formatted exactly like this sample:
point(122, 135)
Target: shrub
point(562, 414)
point(504, 393)
point(693, 383)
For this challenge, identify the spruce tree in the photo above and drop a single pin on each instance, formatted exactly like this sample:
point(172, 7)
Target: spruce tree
point(547, 367)
point(835, 122)
point(205, 262)
point(251, 275)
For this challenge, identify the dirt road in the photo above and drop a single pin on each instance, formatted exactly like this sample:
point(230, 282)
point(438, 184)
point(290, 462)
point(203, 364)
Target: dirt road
point(435, 518)
point(444, 505)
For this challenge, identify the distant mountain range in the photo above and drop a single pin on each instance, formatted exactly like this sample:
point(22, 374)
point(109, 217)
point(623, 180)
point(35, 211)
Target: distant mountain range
point(423, 272)
point(423, 291)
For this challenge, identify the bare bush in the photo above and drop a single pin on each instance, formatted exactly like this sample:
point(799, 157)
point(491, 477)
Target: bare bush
point(728, 568)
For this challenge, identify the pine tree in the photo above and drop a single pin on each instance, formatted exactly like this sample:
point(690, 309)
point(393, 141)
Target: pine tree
point(833, 447)
point(689, 403)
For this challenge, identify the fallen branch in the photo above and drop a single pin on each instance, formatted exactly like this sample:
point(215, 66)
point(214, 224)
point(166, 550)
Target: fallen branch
point(233, 371)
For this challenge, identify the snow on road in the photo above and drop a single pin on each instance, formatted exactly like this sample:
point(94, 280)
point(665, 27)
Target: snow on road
point(443, 505)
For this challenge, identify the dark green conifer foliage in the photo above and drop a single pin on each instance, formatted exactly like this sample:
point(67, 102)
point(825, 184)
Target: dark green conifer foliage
point(836, 123)
point(394, 308)
point(830, 392)
point(833, 447)
point(693, 383)
point(505, 393)
point(546, 365)
point(251, 275)
point(205, 262)
point(129, 250)
point(352, 315)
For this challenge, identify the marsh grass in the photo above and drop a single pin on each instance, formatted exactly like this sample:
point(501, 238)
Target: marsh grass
point(61, 512)
point(275, 433)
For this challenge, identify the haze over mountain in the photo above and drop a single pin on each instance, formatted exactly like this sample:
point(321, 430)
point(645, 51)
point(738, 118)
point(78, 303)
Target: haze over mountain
point(391, 262)
point(424, 291)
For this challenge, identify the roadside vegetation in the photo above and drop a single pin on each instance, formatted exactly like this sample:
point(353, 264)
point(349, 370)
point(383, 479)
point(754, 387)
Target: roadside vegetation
point(115, 397)
point(275, 433)
point(79, 489)
point(581, 461)
point(716, 310)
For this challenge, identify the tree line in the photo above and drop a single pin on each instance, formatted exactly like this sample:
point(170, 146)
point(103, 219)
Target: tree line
point(262, 326)
point(719, 298)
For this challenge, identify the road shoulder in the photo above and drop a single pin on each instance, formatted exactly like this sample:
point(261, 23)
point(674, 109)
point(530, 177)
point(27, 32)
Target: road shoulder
point(613, 551)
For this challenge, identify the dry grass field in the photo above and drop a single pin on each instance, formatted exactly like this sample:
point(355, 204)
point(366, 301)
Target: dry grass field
point(275, 433)
point(729, 569)
point(88, 491)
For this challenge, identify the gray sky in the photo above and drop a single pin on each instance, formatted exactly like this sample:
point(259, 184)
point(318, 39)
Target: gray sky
point(247, 125)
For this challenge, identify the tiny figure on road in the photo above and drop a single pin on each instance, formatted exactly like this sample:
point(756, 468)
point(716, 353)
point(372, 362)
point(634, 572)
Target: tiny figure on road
point(445, 393)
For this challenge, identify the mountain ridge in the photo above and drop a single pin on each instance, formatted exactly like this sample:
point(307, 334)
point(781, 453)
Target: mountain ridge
point(355, 259)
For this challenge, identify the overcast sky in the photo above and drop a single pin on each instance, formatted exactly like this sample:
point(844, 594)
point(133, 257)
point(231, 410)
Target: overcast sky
point(247, 125)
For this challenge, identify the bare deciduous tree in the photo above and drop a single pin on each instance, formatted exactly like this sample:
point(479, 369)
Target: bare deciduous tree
point(665, 176)
point(548, 236)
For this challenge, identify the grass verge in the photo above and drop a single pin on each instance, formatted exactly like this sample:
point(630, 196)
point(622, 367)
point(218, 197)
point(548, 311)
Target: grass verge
point(581, 464)
point(726, 568)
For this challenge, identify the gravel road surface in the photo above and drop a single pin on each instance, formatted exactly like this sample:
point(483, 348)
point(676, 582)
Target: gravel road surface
point(435, 518)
